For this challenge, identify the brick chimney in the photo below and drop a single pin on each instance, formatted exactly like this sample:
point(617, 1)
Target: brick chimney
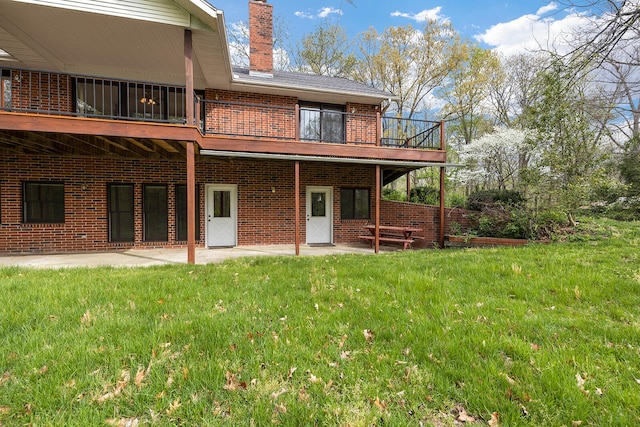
point(260, 38)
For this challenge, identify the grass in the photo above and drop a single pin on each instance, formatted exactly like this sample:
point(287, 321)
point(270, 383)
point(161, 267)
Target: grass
point(538, 335)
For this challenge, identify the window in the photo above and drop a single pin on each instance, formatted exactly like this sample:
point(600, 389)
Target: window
point(354, 203)
point(222, 204)
point(155, 213)
point(181, 213)
point(121, 214)
point(43, 202)
point(5, 89)
point(322, 122)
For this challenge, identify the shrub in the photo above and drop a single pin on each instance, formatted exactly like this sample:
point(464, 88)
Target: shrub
point(456, 200)
point(481, 199)
point(425, 195)
point(391, 194)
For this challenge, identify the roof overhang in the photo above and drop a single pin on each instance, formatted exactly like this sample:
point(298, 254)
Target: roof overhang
point(352, 160)
point(307, 93)
point(139, 40)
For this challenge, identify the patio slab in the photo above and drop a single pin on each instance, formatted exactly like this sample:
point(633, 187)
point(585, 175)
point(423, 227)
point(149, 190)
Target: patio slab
point(149, 257)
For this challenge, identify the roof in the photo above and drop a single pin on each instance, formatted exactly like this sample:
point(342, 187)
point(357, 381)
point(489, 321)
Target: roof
point(314, 87)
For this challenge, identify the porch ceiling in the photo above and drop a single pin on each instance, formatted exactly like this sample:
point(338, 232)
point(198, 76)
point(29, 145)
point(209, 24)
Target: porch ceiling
point(81, 42)
point(65, 144)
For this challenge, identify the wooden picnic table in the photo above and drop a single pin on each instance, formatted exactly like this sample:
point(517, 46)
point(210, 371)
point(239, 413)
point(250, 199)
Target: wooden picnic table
point(392, 234)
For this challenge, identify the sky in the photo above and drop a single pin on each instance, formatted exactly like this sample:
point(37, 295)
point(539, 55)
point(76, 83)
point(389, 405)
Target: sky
point(508, 26)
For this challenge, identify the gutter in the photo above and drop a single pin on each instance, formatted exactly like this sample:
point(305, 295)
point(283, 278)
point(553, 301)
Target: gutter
point(352, 160)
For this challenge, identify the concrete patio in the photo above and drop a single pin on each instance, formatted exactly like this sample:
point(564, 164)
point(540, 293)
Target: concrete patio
point(149, 257)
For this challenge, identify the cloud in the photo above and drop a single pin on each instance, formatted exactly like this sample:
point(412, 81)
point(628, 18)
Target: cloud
point(322, 13)
point(533, 31)
point(424, 16)
point(303, 15)
point(548, 8)
point(326, 11)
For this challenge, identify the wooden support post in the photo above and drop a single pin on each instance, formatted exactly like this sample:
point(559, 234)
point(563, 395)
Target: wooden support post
point(441, 234)
point(191, 160)
point(297, 205)
point(442, 176)
point(409, 186)
point(378, 195)
point(188, 71)
point(191, 203)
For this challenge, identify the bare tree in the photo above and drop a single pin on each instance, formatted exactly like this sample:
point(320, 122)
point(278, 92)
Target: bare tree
point(409, 63)
point(613, 24)
point(326, 51)
point(239, 43)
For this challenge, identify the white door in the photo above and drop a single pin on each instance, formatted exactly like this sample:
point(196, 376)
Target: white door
point(319, 215)
point(222, 215)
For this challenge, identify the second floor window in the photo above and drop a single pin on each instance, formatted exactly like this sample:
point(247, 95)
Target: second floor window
point(322, 122)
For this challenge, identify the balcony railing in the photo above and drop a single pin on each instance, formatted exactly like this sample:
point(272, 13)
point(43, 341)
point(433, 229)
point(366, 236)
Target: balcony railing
point(40, 92)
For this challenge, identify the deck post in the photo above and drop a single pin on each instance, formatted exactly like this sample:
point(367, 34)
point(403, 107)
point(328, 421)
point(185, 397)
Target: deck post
point(377, 214)
point(191, 161)
point(188, 71)
point(442, 176)
point(297, 205)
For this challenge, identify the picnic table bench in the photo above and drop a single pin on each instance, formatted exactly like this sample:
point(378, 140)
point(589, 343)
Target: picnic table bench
point(392, 234)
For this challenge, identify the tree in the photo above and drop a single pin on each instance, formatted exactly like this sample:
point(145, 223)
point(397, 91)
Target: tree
point(467, 91)
point(568, 140)
point(239, 44)
point(494, 161)
point(513, 89)
point(326, 51)
point(613, 24)
point(409, 63)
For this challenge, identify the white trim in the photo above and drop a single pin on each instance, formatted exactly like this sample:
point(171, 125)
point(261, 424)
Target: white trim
point(354, 160)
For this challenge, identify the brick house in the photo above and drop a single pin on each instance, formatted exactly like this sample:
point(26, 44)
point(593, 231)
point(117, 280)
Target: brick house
point(124, 125)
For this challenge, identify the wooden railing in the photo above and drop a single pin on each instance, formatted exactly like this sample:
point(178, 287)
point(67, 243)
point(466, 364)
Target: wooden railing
point(42, 92)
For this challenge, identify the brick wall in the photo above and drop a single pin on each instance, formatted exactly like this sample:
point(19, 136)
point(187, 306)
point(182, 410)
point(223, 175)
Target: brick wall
point(264, 216)
point(239, 113)
point(421, 216)
point(41, 91)
point(361, 126)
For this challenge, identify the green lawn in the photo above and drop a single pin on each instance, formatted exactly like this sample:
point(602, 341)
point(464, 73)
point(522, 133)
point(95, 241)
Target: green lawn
point(538, 335)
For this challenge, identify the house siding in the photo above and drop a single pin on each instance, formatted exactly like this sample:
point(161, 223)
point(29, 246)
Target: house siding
point(161, 11)
point(264, 216)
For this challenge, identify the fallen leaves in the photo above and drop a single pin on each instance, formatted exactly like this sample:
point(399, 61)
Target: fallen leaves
point(125, 376)
point(368, 335)
point(123, 422)
point(233, 383)
point(461, 415)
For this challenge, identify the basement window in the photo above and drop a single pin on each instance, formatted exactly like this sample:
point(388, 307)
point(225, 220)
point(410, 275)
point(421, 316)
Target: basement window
point(155, 213)
point(43, 202)
point(121, 212)
point(354, 203)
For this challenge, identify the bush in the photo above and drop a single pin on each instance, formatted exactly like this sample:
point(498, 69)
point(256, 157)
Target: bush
point(425, 195)
point(456, 200)
point(391, 194)
point(481, 199)
point(504, 214)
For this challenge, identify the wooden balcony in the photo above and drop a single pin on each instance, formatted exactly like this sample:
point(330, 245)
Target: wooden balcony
point(41, 101)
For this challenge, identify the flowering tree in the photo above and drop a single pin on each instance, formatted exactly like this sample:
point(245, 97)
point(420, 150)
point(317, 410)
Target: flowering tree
point(496, 160)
